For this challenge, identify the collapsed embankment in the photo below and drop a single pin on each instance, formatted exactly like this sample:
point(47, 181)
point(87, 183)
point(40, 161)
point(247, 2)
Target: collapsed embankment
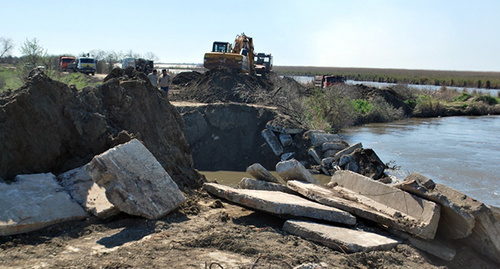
point(48, 126)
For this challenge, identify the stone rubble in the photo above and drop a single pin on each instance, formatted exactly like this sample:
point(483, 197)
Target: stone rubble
point(135, 182)
point(33, 202)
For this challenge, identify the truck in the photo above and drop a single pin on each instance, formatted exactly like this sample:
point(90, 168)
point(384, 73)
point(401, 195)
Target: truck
point(238, 56)
point(140, 64)
point(263, 63)
point(67, 63)
point(86, 65)
point(326, 81)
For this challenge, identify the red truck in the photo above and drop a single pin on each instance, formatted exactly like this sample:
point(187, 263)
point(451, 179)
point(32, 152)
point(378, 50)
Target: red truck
point(67, 63)
point(326, 81)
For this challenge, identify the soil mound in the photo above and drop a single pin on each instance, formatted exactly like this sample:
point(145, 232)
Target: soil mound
point(185, 77)
point(226, 85)
point(47, 126)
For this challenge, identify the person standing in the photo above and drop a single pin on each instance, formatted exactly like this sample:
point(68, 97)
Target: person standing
point(164, 80)
point(153, 77)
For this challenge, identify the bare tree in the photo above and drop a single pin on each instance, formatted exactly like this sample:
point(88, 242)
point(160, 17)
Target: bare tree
point(6, 45)
point(151, 56)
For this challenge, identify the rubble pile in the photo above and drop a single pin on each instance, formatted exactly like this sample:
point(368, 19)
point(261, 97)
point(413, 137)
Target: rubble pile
point(322, 152)
point(433, 217)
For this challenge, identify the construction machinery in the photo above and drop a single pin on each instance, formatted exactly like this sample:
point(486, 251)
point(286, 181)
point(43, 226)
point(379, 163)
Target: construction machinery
point(326, 81)
point(238, 56)
point(263, 63)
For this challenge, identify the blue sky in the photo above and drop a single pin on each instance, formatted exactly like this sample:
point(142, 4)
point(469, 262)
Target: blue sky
point(411, 34)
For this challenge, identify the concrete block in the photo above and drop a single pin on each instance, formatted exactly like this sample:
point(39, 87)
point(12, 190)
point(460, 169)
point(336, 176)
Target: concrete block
point(33, 202)
point(337, 146)
point(272, 141)
point(286, 156)
point(362, 206)
point(280, 203)
point(318, 138)
point(87, 193)
point(343, 239)
point(294, 170)
point(314, 155)
point(255, 184)
point(259, 172)
point(347, 150)
point(135, 181)
point(423, 210)
point(456, 221)
point(285, 139)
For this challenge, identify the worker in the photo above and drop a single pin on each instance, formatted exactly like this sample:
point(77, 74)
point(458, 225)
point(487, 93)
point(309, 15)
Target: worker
point(153, 77)
point(164, 80)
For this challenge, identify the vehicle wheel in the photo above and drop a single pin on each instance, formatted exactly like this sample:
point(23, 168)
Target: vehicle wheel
point(93, 74)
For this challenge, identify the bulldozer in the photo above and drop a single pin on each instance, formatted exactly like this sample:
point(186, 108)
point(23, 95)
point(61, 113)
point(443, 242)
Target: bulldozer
point(238, 56)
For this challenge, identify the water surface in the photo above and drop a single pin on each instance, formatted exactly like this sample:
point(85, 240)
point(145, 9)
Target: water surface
point(461, 152)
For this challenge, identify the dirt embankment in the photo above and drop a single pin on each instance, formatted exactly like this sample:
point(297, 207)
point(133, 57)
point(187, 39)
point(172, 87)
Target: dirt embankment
point(48, 126)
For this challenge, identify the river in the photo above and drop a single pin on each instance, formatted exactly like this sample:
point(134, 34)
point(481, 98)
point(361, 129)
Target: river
point(461, 152)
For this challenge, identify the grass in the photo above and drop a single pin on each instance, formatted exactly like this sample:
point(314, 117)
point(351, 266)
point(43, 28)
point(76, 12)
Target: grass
point(471, 79)
point(10, 78)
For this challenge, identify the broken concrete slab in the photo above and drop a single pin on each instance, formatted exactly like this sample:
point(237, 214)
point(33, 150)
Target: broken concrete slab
point(272, 141)
point(33, 202)
point(287, 156)
point(285, 139)
point(314, 155)
point(319, 137)
point(437, 247)
point(294, 170)
point(255, 184)
point(259, 172)
point(423, 210)
point(347, 150)
point(362, 206)
point(455, 221)
point(339, 238)
point(337, 146)
point(280, 203)
point(87, 193)
point(135, 181)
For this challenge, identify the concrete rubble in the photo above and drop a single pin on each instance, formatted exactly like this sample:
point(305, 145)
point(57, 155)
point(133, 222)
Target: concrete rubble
point(33, 202)
point(343, 239)
point(135, 181)
point(294, 170)
point(322, 152)
point(259, 172)
point(462, 217)
point(255, 184)
point(280, 203)
point(87, 193)
point(364, 207)
point(425, 211)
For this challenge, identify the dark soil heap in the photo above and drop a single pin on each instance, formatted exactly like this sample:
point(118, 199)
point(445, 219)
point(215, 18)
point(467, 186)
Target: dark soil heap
point(225, 85)
point(47, 126)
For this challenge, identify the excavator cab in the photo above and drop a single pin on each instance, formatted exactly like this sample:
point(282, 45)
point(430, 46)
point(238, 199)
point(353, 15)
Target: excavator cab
point(223, 47)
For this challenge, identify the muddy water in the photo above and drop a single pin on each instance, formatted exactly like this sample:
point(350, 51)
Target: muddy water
point(461, 152)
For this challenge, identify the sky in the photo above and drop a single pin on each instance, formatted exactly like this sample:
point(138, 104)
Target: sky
point(408, 34)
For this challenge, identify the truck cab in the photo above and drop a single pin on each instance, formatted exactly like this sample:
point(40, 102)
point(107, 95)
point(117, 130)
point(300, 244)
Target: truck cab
point(86, 65)
point(67, 63)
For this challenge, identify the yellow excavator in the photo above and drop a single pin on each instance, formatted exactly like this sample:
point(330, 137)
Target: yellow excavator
point(238, 56)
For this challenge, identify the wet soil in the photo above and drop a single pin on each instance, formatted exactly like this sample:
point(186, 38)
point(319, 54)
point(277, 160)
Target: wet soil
point(204, 233)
